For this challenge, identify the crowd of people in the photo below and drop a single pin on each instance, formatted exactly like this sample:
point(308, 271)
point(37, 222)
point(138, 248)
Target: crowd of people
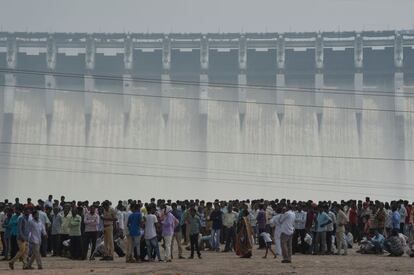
point(83, 230)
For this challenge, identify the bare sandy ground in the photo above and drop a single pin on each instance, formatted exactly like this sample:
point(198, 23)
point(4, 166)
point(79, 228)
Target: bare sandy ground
point(229, 263)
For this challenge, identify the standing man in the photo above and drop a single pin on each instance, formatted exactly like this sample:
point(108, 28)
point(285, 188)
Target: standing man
point(44, 219)
point(22, 239)
point(56, 227)
point(7, 233)
point(134, 233)
point(37, 231)
point(49, 201)
point(177, 231)
point(353, 221)
point(403, 214)
point(261, 225)
point(109, 217)
point(169, 222)
point(229, 221)
point(322, 220)
point(216, 218)
point(300, 221)
point(75, 235)
point(287, 221)
point(330, 229)
point(395, 218)
point(91, 221)
point(150, 234)
point(341, 221)
point(14, 247)
point(64, 230)
point(194, 229)
point(2, 219)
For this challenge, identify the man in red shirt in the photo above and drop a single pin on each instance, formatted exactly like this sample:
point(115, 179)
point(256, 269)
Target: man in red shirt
point(353, 221)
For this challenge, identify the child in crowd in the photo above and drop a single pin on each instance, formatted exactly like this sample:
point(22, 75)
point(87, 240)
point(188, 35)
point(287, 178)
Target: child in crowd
point(268, 240)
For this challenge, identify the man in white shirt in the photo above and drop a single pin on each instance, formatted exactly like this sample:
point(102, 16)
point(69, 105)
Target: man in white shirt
point(120, 212)
point(91, 221)
point(300, 221)
point(403, 213)
point(341, 221)
point(43, 218)
point(287, 221)
point(49, 201)
point(269, 215)
point(275, 222)
point(229, 220)
point(37, 230)
point(128, 242)
point(330, 231)
point(150, 234)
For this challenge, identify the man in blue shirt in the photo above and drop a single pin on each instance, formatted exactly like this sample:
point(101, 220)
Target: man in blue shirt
point(322, 221)
point(134, 228)
point(395, 218)
point(13, 234)
point(217, 218)
point(22, 239)
point(378, 242)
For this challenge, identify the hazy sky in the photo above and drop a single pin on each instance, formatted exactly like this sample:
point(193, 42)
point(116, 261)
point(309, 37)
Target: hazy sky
point(204, 16)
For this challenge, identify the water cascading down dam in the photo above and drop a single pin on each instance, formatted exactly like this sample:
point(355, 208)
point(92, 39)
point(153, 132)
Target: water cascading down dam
point(211, 115)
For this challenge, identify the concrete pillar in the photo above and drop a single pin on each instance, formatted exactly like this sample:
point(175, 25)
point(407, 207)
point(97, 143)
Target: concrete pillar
point(8, 108)
point(10, 78)
point(280, 79)
point(358, 51)
point(358, 82)
point(89, 83)
point(398, 75)
point(165, 78)
point(50, 82)
point(9, 91)
point(398, 51)
point(128, 53)
point(203, 103)
point(204, 63)
point(319, 79)
point(242, 79)
point(127, 82)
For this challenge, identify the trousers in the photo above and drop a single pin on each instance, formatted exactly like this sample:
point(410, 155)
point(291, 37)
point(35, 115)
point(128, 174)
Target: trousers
point(286, 241)
point(35, 255)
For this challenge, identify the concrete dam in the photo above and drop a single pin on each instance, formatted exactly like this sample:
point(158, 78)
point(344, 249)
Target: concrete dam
point(217, 115)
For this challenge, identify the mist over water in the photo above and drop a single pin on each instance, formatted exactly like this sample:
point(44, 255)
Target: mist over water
point(97, 174)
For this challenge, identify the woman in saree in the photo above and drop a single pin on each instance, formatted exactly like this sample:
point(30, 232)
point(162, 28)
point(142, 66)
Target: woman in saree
point(244, 236)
